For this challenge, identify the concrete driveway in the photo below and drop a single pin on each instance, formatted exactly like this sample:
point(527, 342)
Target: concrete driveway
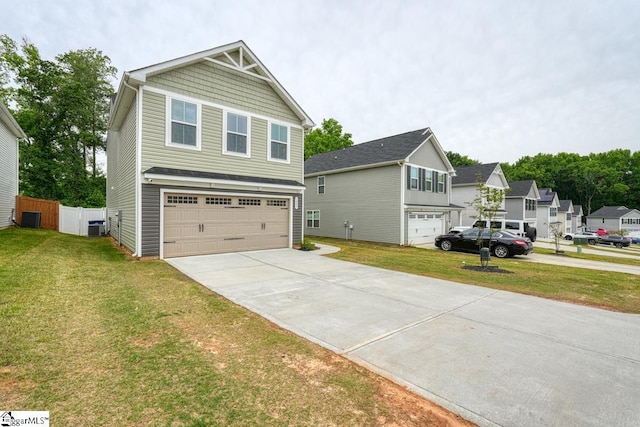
point(494, 357)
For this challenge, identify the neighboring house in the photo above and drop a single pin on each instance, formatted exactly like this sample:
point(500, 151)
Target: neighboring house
point(205, 155)
point(465, 189)
point(395, 190)
point(547, 212)
point(565, 216)
point(615, 218)
point(10, 133)
point(521, 201)
point(576, 219)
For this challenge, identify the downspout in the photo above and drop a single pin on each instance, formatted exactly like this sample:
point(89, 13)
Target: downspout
point(403, 180)
point(138, 202)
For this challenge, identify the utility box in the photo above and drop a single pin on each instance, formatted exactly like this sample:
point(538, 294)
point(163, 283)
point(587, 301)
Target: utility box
point(30, 219)
point(96, 229)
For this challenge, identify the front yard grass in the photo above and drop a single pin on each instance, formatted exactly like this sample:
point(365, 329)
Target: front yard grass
point(97, 338)
point(598, 288)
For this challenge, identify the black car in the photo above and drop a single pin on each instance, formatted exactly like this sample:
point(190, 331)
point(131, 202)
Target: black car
point(617, 241)
point(503, 243)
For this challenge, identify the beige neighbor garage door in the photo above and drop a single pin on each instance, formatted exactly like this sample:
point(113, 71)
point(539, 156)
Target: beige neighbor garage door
point(196, 224)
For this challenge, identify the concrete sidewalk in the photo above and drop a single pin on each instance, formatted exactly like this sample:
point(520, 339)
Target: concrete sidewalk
point(494, 357)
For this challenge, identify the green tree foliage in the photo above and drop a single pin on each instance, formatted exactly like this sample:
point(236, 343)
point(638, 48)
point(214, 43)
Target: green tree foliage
point(327, 138)
point(458, 160)
point(62, 106)
point(599, 179)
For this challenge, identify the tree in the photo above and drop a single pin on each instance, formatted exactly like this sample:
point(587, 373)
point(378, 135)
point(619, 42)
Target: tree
point(62, 106)
point(459, 160)
point(328, 138)
point(487, 203)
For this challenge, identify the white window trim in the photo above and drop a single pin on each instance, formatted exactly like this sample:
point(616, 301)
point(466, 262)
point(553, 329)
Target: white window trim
point(225, 133)
point(169, 120)
point(312, 218)
point(324, 185)
point(269, 141)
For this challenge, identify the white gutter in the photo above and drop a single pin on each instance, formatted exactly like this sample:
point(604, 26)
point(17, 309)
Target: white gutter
point(138, 183)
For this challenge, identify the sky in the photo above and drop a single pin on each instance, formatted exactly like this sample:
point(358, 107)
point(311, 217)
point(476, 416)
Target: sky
point(494, 80)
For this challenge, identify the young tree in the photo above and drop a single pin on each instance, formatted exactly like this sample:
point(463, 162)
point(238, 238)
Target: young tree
point(487, 203)
point(328, 138)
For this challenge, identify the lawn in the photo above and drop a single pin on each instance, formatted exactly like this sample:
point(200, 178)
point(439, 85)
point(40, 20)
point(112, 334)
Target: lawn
point(97, 338)
point(598, 288)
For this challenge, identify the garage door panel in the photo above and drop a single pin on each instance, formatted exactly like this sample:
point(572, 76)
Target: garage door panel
point(423, 228)
point(215, 223)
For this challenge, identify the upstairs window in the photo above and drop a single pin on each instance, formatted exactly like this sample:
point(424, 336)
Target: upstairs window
point(279, 142)
point(184, 123)
point(321, 185)
point(414, 178)
point(428, 180)
point(237, 135)
point(442, 183)
point(553, 211)
point(530, 204)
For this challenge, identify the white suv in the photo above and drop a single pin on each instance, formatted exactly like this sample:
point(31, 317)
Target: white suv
point(515, 226)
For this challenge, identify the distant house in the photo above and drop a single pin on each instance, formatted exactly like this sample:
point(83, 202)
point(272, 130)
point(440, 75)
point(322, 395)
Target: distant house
point(565, 216)
point(10, 134)
point(576, 219)
point(205, 155)
point(615, 218)
point(395, 190)
point(464, 187)
point(547, 212)
point(521, 201)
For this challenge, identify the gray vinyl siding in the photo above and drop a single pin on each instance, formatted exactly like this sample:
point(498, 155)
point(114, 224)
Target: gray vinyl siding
point(210, 157)
point(222, 85)
point(369, 199)
point(8, 175)
point(427, 157)
point(151, 214)
point(121, 179)
point(150, 220)
point(515, 208)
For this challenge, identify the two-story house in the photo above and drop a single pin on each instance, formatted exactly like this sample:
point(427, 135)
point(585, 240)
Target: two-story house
point(395, 190)
point(547, 212)
point(565, 216)
point(521, 201)
point(464, 187)
point(10, 134)
point(576, 219)
point(205, 155)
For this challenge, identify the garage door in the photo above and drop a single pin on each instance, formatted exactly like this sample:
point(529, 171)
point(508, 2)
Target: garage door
point(197, 224)
point(424, 227)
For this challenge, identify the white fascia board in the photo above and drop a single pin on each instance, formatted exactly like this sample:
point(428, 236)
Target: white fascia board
point(7, 118)
point(166, 179)
point(355, 168)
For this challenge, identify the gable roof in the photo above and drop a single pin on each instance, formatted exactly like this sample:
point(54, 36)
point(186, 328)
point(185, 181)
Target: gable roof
point(391, 149)
point(236, 56)
point(469, 174)
point(577, 210)
point(612, 212)
point(521, 189)
point(564, 205)
point(10, 123)
point(546, 197)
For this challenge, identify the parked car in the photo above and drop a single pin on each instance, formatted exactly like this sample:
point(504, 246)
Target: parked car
point(503, 243)
point(635, 240)
point(591, 236)
point(514, 226)
point(601, 232)
point(617, 241)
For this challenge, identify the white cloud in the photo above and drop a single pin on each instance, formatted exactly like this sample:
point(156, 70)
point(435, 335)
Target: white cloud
point(496, 80)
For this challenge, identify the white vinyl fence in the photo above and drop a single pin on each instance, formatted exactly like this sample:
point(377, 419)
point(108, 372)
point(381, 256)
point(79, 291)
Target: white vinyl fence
point(76, 220)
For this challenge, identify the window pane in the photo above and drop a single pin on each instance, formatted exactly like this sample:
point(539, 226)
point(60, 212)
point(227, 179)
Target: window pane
point(278, 133)
point(189, 135)
point(236, 143)
point(278, 151)
point(236, 123)
point(190, 113)
point(177, 110)
point(183, 134)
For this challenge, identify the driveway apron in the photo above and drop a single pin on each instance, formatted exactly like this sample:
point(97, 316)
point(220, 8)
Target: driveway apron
point(494, 357)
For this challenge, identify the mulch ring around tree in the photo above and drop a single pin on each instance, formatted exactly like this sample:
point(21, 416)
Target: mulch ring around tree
point(487, 269)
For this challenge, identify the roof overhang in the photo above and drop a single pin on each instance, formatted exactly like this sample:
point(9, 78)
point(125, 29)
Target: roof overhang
point(236, 56)
point(436, 144)
point(7, 118)
point(355, 168)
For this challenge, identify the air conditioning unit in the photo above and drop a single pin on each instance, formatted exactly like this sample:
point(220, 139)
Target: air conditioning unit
point(30, 220)
point(96, 229)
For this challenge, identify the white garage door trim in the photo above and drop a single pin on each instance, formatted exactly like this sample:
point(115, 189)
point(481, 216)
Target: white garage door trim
point(164, 192)
point(424, 227)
